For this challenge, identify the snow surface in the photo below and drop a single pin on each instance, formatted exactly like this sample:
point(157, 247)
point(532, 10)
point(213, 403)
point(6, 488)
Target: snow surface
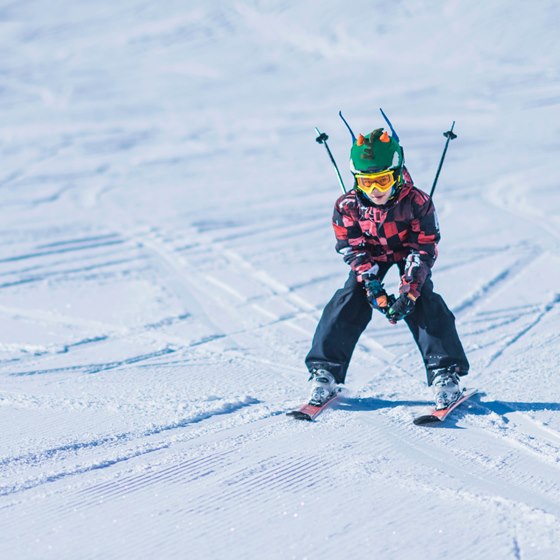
point(166, 251)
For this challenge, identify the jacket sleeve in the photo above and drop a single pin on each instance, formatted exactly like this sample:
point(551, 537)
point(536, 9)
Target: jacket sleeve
point(350, 239)
point(423, 242)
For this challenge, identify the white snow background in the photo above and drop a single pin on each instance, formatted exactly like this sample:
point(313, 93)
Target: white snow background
point(166, 251)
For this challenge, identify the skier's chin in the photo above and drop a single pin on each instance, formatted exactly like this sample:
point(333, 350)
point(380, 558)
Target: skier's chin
point(379, 199)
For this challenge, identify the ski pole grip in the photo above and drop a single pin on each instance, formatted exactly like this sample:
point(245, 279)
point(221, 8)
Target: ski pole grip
point(450, 134)
point(322, 139)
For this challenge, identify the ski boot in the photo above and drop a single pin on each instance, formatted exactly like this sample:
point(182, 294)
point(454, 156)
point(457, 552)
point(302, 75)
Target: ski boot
point(323, 386)
point(445, 386)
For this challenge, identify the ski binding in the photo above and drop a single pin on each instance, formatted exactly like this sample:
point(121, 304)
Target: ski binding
point(309, 411)
point(435, 415)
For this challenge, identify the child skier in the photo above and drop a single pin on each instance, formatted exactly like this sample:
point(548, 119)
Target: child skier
point(384, 221)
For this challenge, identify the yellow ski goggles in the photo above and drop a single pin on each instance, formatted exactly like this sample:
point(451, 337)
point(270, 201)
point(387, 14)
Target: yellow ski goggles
point(382, 181)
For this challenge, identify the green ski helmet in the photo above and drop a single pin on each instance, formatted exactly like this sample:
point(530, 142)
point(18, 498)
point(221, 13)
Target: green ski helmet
point(376, 152)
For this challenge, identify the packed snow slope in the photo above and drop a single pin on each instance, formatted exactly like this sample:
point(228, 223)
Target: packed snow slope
point(166, 252)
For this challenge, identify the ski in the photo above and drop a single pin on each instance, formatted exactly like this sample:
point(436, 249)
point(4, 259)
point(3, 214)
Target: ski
point(440, 415)
point(309, 411)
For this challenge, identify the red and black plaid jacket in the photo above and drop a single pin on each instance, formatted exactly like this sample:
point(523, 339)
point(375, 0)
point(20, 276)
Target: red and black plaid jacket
point(369, 234)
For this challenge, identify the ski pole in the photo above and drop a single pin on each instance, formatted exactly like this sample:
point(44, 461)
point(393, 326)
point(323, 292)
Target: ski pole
point(450, 135)
point(322, 139)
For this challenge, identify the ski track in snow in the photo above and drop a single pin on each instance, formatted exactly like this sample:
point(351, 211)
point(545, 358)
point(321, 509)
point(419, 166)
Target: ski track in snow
point(293, 475)
point(287, 475)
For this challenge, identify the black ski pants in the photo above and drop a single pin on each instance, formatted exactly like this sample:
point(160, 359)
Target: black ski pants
point(348, 313)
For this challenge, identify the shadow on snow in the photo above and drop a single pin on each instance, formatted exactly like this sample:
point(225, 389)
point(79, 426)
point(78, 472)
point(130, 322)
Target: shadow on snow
point(474, 406)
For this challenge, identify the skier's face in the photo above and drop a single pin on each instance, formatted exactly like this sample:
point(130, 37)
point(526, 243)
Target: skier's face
point(377, 186)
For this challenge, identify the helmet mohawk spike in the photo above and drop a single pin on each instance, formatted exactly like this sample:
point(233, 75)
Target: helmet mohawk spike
point(395, 135)
point(348, 127)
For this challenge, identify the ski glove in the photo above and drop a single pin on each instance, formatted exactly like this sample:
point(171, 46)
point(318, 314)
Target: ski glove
point(376, 295)
point(415, 273)
point(403, 306)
